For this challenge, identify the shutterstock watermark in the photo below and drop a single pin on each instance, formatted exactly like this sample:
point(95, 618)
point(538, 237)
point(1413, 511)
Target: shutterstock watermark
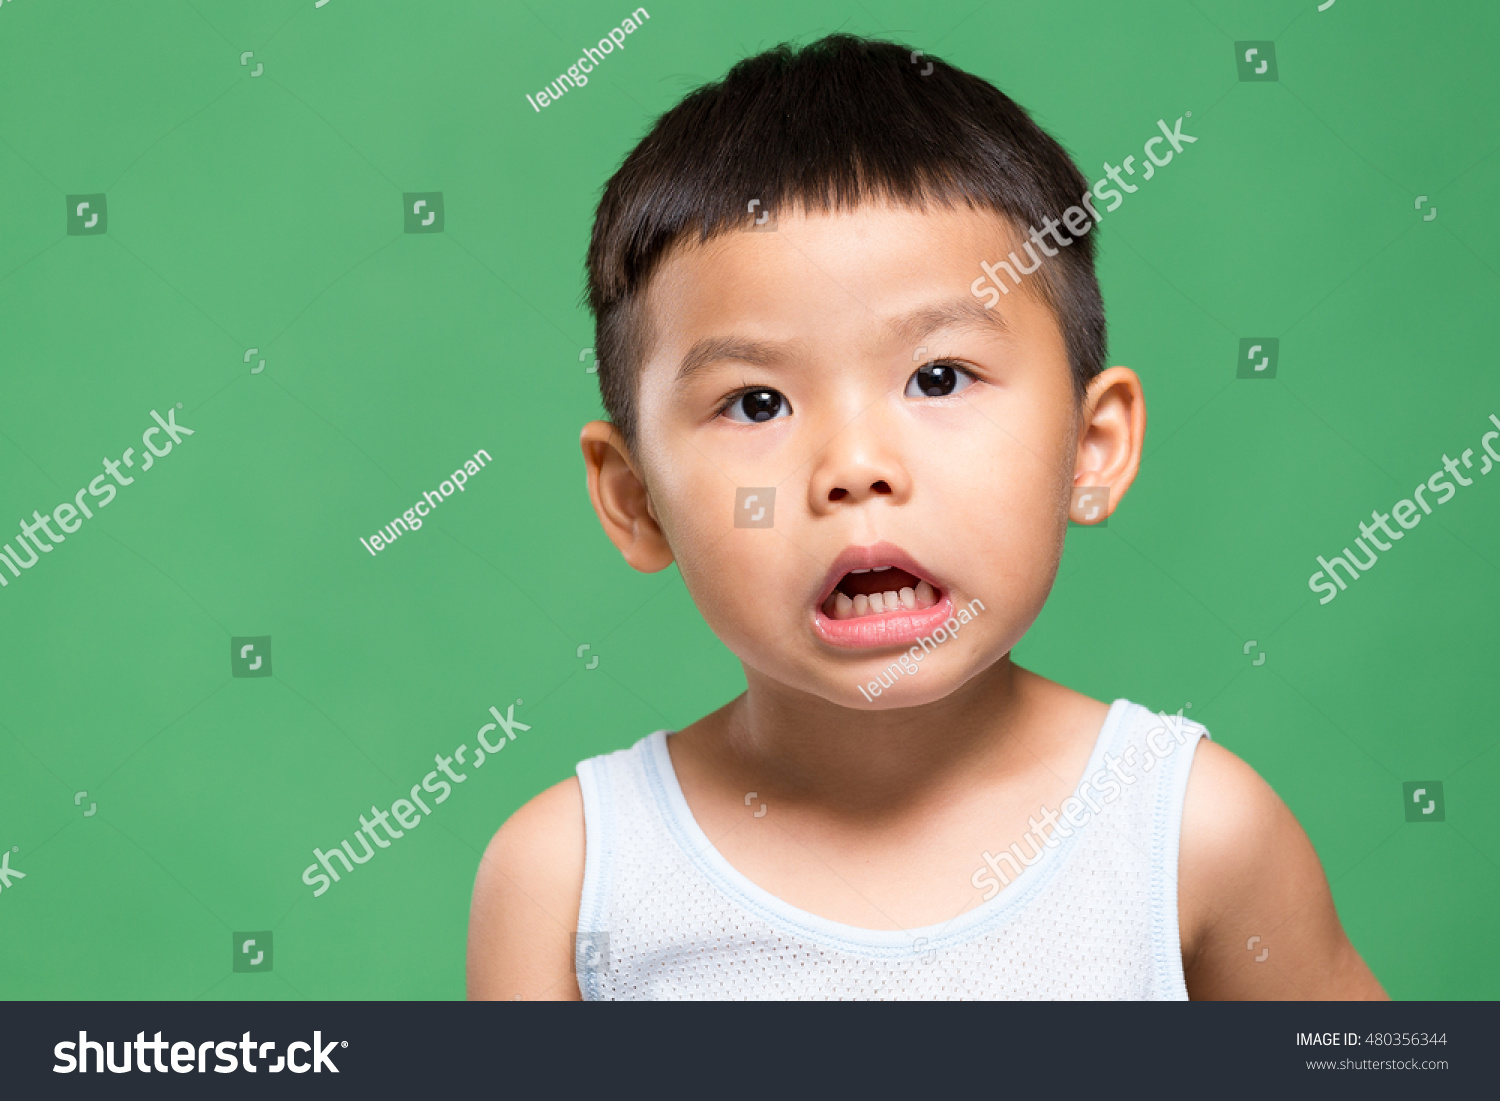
point(1079, 220)
point(907, 662)
point(157, 443)
point(1406, 515)
point(405, 811)
point(7, 873)
point(1109, 783)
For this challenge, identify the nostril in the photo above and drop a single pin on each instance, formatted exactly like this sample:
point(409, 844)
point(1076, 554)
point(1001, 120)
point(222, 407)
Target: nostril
point(838, 493)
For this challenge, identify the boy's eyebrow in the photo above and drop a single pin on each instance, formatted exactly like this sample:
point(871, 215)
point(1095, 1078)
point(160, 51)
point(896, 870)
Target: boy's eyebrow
point(711, 349)
point(966, 313)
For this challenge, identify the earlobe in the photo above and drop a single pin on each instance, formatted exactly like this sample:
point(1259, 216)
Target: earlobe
point(620, 499)
point(1111, 434)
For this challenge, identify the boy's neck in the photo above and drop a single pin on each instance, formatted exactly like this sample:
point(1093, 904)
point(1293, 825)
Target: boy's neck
point(803, 744)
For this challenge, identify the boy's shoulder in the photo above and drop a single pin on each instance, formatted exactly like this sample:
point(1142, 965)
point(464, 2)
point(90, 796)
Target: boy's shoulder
point(1232, 821)
point(540, 829)
point(1227, 804)
point(529, 883)
point(1252, 892)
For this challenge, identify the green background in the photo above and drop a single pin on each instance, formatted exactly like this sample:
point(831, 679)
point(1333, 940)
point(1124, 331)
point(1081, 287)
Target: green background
point(266, 212)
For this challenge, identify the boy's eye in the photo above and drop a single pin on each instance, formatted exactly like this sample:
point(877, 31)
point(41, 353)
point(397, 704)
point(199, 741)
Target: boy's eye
point(938, 380)
point(754, 406)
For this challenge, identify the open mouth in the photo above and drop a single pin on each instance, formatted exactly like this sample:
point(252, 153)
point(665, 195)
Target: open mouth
point(878, 596)
point(878, 590)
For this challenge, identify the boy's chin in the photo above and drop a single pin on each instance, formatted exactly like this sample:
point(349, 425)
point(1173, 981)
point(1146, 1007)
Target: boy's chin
point(872, 695)
point(873, 687)
point(840, 690)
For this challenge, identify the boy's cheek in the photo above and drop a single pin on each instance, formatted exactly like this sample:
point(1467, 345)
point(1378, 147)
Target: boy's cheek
point(750, 622)
point(1007, 557)
point(740, 579)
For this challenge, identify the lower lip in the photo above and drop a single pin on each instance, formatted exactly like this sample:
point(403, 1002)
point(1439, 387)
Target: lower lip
point(875, 632)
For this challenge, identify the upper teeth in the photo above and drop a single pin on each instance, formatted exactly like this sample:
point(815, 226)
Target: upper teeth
point(840, 606)
point(872, 569)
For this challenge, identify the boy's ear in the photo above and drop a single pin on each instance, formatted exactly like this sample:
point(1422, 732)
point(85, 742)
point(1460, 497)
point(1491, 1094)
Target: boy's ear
point(620, 499)
point(1112, 429)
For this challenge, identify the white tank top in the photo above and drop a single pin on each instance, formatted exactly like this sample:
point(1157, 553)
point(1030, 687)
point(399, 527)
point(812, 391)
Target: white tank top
point(664, 916)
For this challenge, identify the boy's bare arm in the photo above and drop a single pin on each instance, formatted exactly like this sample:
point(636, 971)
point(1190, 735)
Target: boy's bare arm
point(1257, 917)
point(525, 908)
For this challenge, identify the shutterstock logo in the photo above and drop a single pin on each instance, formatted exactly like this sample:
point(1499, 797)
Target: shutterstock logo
point(250, 656)
point(755, 507)
point(189, 1057)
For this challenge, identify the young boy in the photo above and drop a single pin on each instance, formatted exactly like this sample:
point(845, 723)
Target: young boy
point(863, 460)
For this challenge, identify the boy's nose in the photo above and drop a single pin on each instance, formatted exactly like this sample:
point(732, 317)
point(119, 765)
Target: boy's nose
point(855, 468)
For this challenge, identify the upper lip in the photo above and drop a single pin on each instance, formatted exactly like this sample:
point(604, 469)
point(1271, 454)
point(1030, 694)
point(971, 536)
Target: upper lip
point(864, 558)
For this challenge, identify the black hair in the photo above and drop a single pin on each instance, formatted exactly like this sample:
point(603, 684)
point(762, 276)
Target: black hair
point(842, 121)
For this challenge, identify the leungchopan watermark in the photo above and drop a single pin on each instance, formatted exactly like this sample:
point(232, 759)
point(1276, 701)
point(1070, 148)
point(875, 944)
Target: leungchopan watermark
point(1108, 784)
point(577, 74)
point(411, 519)
point(1078, 220)
point(907, 662)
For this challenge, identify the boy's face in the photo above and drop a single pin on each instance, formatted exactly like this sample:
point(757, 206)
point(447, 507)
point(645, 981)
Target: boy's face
point(842, 360)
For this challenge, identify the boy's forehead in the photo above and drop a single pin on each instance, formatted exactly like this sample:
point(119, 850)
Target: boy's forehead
point(801, 245)
point(874, 270)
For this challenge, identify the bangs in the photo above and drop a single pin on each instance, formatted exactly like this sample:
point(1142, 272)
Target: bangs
point(843, 122)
